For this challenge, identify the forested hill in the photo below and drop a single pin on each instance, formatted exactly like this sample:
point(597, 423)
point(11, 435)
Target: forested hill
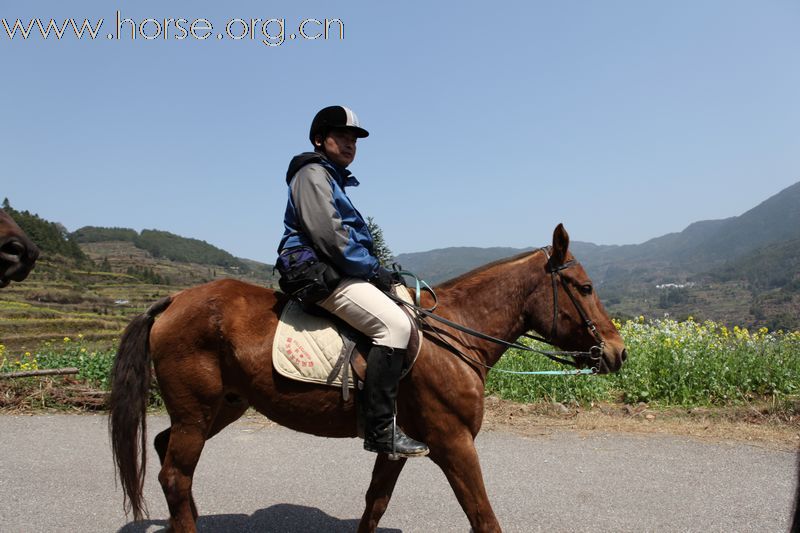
point(51, 237)
point(163, 244)
point(776, 266)
point(93, 247)
point(93, 281)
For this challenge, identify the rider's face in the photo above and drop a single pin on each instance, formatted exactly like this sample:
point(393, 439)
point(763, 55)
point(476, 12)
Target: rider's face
point(340, 146)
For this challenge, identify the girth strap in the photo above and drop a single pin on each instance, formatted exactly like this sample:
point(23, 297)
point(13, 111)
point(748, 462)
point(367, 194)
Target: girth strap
point(342, 364)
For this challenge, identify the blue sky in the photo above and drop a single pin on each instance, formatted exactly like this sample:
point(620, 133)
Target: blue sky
point(490, 121)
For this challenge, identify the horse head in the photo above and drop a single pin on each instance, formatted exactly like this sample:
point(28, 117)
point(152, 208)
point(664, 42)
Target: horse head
point(576, 319)
point(17, 253)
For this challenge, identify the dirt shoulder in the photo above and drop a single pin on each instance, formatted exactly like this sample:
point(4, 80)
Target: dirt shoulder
point(758, 426)
point(751, 425)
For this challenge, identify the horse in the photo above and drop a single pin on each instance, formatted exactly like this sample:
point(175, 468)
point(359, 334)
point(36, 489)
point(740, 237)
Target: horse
point(17, 252)
point(211, 352)
point(795, 527)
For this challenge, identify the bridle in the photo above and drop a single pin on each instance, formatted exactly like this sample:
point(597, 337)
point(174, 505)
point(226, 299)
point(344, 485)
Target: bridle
point(594, 354)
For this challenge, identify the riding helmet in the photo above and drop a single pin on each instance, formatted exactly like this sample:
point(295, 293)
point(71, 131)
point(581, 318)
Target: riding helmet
point(335, 117)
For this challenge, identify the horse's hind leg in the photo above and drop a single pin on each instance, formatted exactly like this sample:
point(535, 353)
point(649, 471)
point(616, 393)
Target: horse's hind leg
point(229, 412)
point(161, 442)
point(183, 452)
point(384, 478)
point(193, 394)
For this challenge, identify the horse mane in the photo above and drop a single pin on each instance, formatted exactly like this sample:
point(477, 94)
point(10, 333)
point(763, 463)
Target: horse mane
point(475, 272)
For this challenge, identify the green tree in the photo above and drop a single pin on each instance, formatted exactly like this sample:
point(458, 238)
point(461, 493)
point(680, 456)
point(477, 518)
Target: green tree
point(381, 250)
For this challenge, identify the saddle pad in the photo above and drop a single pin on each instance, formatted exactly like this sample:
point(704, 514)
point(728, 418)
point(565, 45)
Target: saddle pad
point(306, 347)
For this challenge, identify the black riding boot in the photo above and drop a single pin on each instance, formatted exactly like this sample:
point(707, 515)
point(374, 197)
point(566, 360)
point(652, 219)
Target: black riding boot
point(381, 434)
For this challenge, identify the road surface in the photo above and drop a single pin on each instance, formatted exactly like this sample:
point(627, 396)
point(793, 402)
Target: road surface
point(56, 475)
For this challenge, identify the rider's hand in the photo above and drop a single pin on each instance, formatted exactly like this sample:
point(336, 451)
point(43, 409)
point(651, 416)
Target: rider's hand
point(384, 279)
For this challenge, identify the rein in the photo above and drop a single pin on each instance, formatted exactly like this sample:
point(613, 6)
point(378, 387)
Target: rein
point(594, 354)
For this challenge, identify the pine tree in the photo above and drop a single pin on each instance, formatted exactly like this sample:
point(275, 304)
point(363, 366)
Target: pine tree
point(380, 249)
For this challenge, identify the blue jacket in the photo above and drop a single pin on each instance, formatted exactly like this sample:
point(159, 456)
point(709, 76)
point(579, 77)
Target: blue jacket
point(319, 214)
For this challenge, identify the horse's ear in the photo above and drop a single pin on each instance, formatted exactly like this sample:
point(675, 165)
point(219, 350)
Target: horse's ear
point(560, 244)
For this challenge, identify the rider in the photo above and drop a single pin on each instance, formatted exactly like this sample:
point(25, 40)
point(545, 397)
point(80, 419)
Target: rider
point(327, 251)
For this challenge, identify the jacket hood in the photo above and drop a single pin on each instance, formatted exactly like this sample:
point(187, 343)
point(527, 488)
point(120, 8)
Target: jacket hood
point(344, 176)
point(301, 160)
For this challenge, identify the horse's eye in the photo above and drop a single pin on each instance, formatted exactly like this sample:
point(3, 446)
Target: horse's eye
point(586, 290)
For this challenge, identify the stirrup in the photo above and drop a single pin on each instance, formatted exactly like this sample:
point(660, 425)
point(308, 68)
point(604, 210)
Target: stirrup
point(393, 456)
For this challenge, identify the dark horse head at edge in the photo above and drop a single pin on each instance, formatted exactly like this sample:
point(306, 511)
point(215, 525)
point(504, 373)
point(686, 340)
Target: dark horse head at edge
point(17, 252)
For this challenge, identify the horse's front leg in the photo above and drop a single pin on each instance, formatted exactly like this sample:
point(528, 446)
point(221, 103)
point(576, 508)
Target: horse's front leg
point(456, 456)
point(384, 478)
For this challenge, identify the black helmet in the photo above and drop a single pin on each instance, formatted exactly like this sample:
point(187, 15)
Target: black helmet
point(334, 117)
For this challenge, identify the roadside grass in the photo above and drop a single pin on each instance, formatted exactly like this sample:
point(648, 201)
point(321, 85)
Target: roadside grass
point(671, 364)
point(85, 390)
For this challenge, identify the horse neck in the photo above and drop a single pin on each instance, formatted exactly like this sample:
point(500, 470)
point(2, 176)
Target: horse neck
point(492, 301)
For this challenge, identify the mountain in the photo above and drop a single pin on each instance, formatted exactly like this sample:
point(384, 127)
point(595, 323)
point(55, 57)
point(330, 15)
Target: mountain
point(707, 244)
point(700, 247)
point(442, 264)
point(742, 270)
point(774, 220)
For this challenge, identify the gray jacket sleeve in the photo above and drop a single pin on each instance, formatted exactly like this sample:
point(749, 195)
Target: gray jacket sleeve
point(319, 219)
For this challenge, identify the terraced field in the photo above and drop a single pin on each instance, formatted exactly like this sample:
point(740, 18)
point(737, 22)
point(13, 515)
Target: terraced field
point(59, 301)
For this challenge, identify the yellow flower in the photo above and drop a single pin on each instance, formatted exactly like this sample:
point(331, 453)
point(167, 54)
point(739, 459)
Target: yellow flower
point(66, 339)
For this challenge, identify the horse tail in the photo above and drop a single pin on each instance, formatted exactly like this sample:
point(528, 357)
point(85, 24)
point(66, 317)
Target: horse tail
point(130, 390)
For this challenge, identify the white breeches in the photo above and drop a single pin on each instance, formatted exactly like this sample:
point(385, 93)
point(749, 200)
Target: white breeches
point(370, 311)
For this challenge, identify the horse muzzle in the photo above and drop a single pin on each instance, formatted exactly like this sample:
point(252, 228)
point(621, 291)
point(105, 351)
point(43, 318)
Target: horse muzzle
point(611, 359)
point(17, 259)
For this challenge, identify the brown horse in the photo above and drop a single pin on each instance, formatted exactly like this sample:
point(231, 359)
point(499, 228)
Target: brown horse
point(795, 528)
point(17, 252)
point(211, 349)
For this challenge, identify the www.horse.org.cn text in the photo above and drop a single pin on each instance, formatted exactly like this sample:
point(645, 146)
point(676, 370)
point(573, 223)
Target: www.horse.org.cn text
point(268, 31)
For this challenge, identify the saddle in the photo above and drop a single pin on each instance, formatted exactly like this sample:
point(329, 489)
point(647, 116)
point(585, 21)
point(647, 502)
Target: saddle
point(321, 348)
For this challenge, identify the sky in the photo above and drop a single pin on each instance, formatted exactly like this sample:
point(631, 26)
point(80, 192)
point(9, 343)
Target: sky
point(490, 122)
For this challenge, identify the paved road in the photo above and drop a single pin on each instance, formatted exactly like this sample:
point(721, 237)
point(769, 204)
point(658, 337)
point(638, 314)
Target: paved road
point(56, 475)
